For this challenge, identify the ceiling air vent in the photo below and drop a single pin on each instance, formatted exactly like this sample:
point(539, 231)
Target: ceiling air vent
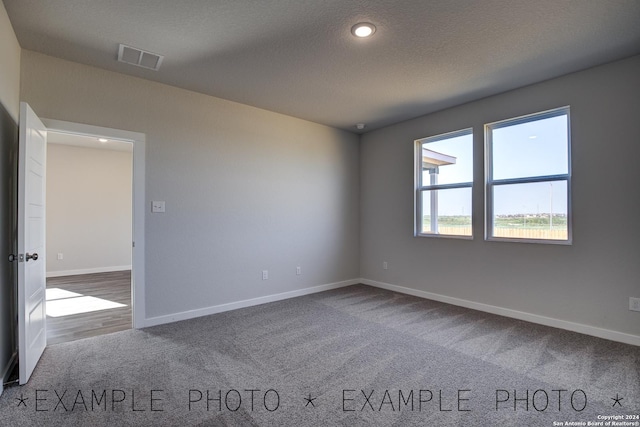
point(139, 57)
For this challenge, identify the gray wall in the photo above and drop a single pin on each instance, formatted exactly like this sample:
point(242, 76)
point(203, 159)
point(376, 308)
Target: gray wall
point(88, 210)
point(9, 66)
point(9, 111)
point(246, 189)
point(589, 282)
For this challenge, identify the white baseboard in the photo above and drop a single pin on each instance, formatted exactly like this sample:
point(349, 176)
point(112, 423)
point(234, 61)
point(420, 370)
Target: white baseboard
point(88, 271)
point(521, 315)
point(190, 314)
point(515, 314)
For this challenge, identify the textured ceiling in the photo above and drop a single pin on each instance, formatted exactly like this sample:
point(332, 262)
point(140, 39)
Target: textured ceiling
point(298, 57)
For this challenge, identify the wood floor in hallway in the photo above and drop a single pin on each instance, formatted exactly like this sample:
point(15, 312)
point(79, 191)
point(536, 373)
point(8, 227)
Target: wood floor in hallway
point(112, 287)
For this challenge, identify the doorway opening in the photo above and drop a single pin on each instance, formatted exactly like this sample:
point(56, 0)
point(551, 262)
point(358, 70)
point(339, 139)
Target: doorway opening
point(89, 222)
point(108, 294)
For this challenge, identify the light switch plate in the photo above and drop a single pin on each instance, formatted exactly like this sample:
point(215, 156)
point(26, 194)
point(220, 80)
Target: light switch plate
point(157, 206)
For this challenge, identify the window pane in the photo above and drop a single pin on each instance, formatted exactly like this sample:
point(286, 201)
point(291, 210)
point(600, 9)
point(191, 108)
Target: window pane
point(535, 148)
point(531, 211)
point(450, 209)
point(447, 161)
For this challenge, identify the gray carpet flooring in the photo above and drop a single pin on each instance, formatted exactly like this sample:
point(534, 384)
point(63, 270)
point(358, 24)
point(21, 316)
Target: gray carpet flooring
point(356, 356)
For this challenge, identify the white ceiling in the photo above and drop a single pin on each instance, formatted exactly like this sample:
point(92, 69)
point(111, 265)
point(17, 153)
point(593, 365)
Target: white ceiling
point(299, 58)
point(87, 142)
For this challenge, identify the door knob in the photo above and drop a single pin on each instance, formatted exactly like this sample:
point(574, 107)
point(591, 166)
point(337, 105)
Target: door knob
point(32, 256)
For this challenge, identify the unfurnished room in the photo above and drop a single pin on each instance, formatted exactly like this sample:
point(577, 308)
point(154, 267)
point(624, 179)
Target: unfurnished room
point(319, 213)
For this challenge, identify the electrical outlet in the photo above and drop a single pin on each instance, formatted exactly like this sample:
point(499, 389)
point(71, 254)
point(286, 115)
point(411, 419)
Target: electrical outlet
point(634, 304)
point(265, 274)
point(298, 271)
point(385, 265)
point(157, 206)
point(60, 255)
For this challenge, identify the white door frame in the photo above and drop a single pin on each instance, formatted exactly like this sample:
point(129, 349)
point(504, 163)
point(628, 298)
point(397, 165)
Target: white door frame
point(138, 202)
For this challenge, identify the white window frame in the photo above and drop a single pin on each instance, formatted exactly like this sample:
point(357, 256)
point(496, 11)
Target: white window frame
point(491, 183)
point(420, 187)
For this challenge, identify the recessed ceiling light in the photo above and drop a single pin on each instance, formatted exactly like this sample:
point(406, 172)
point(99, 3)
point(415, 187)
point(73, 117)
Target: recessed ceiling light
point(360, 126)
point(363, 29)
point(533, 137)
point(103, 140)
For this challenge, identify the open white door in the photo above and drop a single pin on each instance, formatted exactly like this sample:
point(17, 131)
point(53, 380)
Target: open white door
point(32, 156)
